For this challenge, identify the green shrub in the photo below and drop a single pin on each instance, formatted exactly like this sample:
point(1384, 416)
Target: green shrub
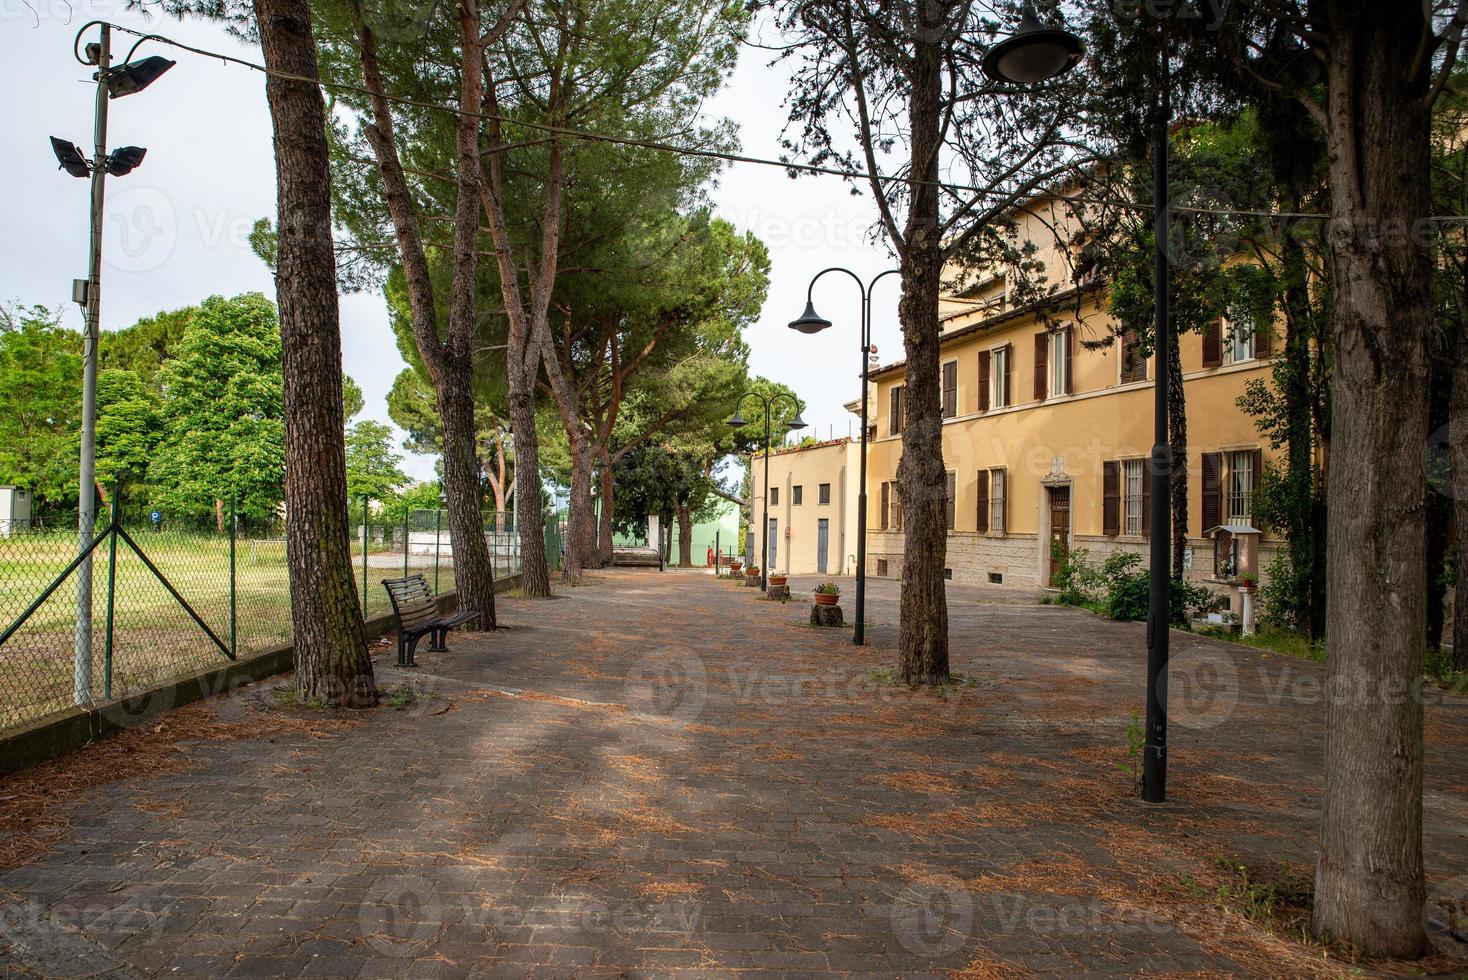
point(1077, 579)
point(1121, 589)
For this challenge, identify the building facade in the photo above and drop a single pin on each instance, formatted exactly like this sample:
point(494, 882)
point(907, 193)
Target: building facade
point(812, 527)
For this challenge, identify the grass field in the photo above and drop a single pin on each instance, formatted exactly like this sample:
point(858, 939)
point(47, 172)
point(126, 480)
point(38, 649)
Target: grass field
point(153, 636)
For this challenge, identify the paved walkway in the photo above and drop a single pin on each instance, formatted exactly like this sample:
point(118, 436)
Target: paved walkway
point(665, 775)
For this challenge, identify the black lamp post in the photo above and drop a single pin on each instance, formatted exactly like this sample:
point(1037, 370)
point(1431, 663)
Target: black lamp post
point(737, 422)
point(1023, 58)
point(112, 83)
point(811, 322)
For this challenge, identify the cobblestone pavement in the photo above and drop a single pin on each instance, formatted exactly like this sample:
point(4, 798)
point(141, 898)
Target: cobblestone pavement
point(663, 774)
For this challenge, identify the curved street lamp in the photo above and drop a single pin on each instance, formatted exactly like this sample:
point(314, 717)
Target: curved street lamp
point(1025, 58)
point(112, 83)
point(738, 422)
point(811, 322)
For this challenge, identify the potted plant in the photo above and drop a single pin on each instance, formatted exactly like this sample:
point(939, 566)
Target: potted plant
point(827, 593)
point(734, 564)
point(778, 578)
point(752, 571)
point(1248, 580)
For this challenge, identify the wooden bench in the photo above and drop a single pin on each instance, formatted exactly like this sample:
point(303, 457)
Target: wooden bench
point(417, 614)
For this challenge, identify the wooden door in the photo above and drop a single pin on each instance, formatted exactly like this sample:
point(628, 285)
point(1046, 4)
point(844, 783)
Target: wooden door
point(1059, 529)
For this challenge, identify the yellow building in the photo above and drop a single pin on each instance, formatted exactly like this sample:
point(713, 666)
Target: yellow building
point(1045, 440)
point(812, 517)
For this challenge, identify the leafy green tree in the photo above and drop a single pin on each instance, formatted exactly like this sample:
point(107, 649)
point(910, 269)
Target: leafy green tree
point(129, 426)
point(224, 436)
point(147, 345)
point(40, 405)
point(372, 467)
point(352, 400)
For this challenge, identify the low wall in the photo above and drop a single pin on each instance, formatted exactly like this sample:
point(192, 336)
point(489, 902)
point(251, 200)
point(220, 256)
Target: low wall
point(66, 731)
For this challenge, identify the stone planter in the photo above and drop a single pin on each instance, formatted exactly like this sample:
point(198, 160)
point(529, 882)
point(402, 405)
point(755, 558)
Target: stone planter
point(827, 598)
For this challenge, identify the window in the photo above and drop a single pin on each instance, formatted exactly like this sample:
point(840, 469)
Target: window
point(1241, 478)
point(997, 492)
point(896, 507)
point(882, 567)
point(951, 491)
point(950, 389)
point(823, 493)
point(891, 511)
point(797, 495)
point(1060, 362)
point(999, 377)
point(774, 496)
point(894, 417)
point(1136, 475)
point(1238, 343)
point(1133, 364)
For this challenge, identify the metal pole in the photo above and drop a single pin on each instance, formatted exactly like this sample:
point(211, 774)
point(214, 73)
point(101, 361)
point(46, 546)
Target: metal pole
point(858, 636)
point(765, 558)
point(1159, 614)
point(86, 500)
point(405, 542)
point(364, 557)
point(233, 581)
point(437, 537)
point(111, 594)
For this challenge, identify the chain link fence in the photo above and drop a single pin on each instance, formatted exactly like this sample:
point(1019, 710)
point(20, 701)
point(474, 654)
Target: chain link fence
point(172, 596)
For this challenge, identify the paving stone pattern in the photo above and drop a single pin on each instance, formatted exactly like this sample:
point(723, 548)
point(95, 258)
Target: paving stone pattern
point(662, 774)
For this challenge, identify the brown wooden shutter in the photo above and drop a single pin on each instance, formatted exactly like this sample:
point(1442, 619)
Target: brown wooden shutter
point(1042, 367)
point(886, 503)
point(1212, 343)
point(1147, 497)
point(952, 502)
point(1126, 346)
point(1069, 381)
point(1008, 375)
point(1263, 334)
point(983, 381)
point(1254, 487)
point(950, 389)
point(1110, 497)
point(983, 524)
point(1003, 524)
point(1212, 490)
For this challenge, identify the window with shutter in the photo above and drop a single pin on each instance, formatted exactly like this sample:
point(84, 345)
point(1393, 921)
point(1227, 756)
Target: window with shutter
point(1212, 343)
point(886, 505)
point(1008, 351)
point(1067, 343)
point(897, 506)
point(823, 493)
point(983, 381)
point(983, 515)
point(1146, 496)
point(950, 389)
point(1263, 335)
point(894, 419)
point(1110, 498)
point(1134, 482)
point(774, 496)
point(952, 491)
point(1212, 485)
point(1042, 371)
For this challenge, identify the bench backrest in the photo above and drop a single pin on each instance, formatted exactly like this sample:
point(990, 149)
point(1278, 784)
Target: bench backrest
point(411, 601)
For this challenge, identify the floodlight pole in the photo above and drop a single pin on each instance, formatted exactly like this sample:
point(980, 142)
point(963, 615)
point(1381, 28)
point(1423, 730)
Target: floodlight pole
point(87, 495)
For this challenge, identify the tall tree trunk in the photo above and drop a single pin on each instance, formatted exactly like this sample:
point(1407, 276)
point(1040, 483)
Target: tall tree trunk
point(580, 535)
point(474, 575)
point(604, 528)
point(330, 655)
point(1177, 435)
point(1305, 532)
point(1439, 516)
point(923, 638)
point(685, 537)
point(1369, 887)
point(449, 360)
point(529, 516)
point(219, 504)
point(1458, 450)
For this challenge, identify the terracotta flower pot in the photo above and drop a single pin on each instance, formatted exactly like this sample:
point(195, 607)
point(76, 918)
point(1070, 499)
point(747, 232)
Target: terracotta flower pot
point(779, 579)
point(827, 598)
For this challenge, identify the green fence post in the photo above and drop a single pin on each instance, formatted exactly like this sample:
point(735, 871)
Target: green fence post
point(364, 557)
point(111, 592)
point(233, 585)
point(437, 535)
point(405, 541)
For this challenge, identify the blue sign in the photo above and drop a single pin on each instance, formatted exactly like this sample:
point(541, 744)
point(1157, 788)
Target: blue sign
point(156, 517)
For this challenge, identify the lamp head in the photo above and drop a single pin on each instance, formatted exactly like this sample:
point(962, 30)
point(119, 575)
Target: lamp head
point(1034, 53)
point(737, 422)
point(795, 423)
point(810, 321)
point(70, 157)
point(124, 159)
point(136, 75)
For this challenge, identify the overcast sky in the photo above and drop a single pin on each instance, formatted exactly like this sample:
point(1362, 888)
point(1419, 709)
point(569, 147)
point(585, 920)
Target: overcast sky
point(175, 229)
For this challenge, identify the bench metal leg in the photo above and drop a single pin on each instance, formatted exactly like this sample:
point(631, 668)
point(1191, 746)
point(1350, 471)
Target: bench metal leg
point(413, 646)
point(438, 640)
point(402, 651)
